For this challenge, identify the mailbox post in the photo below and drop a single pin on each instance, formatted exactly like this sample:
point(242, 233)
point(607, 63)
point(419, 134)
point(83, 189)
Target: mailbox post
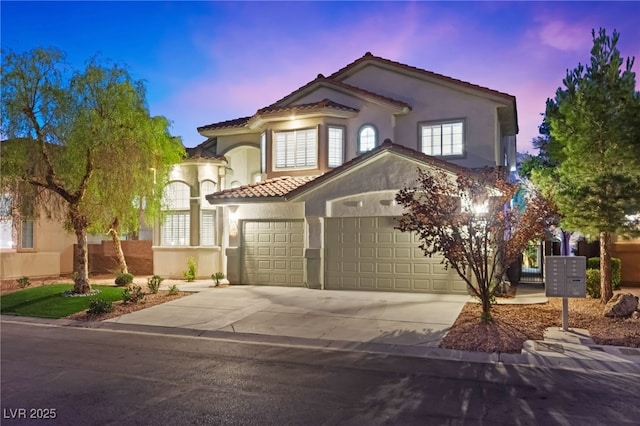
point(565, 276)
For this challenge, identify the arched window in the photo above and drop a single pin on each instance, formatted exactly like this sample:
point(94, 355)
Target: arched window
point(176, 226)
point(367, 138)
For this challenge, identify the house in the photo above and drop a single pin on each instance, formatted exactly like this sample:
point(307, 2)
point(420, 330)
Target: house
point(301, 193)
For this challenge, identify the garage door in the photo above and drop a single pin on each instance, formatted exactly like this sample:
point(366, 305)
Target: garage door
point(366, 253)
point(272, 253)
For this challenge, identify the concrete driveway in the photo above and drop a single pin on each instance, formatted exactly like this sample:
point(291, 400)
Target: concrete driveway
point(300, 313)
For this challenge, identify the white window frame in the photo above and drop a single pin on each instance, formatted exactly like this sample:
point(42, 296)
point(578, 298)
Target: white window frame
point(295, 149)
point(335, 145)
point(443, 139)
point(367, 138)
point(263, 152)
point(207, 215)
point(176, 226)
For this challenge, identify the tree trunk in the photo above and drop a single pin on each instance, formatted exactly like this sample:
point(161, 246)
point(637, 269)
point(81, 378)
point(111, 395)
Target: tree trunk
point(606, 290)
point(81, 262)
point(115, 237)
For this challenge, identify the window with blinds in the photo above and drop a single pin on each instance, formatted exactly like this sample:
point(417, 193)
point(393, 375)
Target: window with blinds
point(296, 149)
point(335, 139)
point(175, 229)
point(442, 139)
point(207, 228)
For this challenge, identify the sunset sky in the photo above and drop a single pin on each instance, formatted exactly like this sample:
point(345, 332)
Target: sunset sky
point(205, 62)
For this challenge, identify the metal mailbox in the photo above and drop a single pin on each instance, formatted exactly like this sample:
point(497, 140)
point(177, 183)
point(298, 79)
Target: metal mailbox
point(565, 276)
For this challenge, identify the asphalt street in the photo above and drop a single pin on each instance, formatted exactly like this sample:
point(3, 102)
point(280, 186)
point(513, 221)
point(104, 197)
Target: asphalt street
point(77, 376)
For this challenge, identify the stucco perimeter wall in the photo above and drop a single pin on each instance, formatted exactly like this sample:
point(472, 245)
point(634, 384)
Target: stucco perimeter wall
point(171, 262)
point(30, 264)
point(629, 253)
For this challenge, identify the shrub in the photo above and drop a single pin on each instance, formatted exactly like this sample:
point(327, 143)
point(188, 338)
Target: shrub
point(132, 294)
point(616, 269)
point(100, 306)
point(23, 282)
point(217, 277)
point(191, 272)
point(593, 283)
point(154, 283)
point(124, 280)
point(173, 290)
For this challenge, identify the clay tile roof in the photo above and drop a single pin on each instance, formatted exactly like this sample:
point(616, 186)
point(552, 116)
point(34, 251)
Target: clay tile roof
point(387, 145)
point(271, 188)
point(325, 103)
point(329, 80)
point(237, 122)
point(201, 152)
point(370, 57)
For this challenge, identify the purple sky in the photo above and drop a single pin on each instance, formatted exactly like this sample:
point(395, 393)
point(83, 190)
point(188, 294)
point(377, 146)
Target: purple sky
point(206, 62)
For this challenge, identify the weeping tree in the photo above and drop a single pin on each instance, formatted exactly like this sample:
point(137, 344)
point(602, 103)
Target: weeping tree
point(594, 124)
point(468, 219)
point(81, 144)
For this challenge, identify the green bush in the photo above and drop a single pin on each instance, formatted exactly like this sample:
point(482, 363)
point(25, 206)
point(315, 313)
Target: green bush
point(191, 272)
point(132, 294)
point(100, 306)
point(616, 269)
point(154, 283)
point(173, 290)
point(23, 282)
point(124, 280)
point(217, 277)
point(593, 283)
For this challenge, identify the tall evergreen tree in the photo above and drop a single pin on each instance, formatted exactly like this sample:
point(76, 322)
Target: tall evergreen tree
point(594, 124)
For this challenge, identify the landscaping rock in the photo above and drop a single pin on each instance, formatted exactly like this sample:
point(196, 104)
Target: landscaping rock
point(621, 305)
point(636, 315)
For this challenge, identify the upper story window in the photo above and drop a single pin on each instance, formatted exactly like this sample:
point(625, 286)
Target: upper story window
point(442, 139)
point(296, 149)
point(176, 226)
point(335, 138)
point(263, 152)
point(367, 138)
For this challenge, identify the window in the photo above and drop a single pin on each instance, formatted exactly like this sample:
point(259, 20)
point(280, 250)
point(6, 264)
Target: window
point(335, 138)
point(176, 226)
point(207, 228)
point(442, 139)
point(296, 149)
point(6, 222)
point(263, 152)
point(26, 234)
point(207, 215)
point(367, 138)
point(175, 229)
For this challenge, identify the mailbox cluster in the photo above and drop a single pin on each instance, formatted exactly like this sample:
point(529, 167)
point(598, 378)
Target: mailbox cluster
point(565, 276)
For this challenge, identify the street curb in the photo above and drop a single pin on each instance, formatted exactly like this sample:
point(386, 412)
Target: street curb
point(525, 359)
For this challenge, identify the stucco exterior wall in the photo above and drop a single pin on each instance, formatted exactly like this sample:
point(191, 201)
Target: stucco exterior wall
point(171, 262)
point(436, 102)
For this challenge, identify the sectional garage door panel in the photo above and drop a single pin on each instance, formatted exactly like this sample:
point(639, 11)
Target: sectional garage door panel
point(366, 253)
point(273, 253)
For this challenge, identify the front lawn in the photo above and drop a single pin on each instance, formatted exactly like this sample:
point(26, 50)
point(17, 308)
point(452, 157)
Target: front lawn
point(50, 302)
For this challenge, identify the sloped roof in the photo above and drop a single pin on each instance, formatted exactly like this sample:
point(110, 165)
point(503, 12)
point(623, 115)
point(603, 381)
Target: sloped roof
point(261, 191)
point(205, 150)
point(320, 80)
point(228, 124)
point(369, 57)
point(287, 188)
point(325, 103)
